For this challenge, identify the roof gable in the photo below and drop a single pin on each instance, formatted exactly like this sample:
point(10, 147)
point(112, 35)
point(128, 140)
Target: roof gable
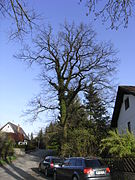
point(16, 129)
point(119, 99)
point(7, 128)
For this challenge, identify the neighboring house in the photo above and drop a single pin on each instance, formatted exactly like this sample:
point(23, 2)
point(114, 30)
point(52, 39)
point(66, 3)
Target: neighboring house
point(124, 111)
point(15, 132)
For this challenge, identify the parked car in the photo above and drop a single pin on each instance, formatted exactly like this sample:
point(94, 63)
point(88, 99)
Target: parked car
point(48, 164)
point(77, 168)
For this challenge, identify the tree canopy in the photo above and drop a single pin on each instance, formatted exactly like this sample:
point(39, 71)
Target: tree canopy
point(69, 62)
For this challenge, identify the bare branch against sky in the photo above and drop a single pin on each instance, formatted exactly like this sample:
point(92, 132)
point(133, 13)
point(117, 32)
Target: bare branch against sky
point(115, 12)
point(22, 17)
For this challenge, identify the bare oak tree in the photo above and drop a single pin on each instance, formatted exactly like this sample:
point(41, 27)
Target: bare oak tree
point(116, 12)
point(70, 61)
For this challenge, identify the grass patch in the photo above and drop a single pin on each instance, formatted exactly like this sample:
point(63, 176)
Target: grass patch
point(8, 160)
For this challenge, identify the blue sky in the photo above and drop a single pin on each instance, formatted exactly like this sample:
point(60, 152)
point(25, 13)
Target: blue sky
point(17, 82)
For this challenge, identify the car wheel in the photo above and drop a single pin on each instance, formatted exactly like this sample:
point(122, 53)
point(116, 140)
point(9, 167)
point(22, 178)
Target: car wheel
point(75, 178)
point(54, 176)
point(46, 172)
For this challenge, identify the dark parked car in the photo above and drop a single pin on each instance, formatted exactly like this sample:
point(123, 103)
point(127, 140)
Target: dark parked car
point(48, 164)
point(82, 169)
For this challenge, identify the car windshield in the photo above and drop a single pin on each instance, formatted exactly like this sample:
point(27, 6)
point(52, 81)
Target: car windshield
point(93, 163)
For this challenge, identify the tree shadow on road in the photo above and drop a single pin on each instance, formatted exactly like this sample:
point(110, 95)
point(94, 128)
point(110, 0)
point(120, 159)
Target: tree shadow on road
point(41, 174)
point(11, 173)
point(22, 173)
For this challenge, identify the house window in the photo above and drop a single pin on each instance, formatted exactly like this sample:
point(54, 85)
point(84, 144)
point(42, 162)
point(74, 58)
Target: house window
point(129, 126)
point(126, 103)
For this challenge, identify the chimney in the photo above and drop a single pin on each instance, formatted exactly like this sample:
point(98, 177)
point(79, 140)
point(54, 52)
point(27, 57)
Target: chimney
point(18, 128)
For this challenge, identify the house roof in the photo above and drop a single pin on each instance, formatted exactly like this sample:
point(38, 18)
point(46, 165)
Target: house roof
point(15, 128)
point(119, 99)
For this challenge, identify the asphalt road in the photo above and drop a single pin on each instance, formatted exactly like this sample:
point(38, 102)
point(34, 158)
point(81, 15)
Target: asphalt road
point(24, 168)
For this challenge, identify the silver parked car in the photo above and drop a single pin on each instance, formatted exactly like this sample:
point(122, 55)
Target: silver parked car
point(48, 164)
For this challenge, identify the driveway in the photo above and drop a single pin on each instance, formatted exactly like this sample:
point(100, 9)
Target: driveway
point(24, 168)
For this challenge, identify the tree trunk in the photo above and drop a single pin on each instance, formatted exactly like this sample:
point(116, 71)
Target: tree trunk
point(63, 115)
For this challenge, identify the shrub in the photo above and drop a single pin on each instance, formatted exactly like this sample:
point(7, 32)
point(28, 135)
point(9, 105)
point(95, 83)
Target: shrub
point(6, 145)
point(119, 145)
point(30, 147)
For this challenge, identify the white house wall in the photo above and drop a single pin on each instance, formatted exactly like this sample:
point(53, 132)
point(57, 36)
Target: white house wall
point(128, 115)
point(7, 128)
